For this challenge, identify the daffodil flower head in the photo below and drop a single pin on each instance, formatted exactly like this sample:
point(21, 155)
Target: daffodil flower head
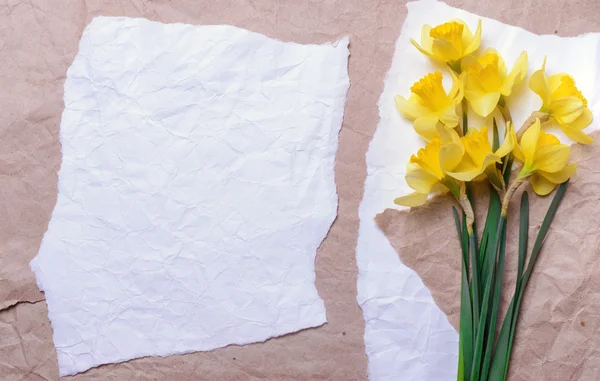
point(426, 171)
point(544, 159)
point(449, 42)
point(488, 80)
point(480, 159)
point(563, 101)
point(429, 104)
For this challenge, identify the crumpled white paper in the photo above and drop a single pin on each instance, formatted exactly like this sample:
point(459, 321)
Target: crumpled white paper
point(196, 186)
point(407, 337)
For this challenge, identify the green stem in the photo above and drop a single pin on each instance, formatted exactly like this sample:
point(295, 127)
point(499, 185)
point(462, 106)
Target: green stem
point(465, 343)
point(481, 335)
point(495, 299)
point(455, 66)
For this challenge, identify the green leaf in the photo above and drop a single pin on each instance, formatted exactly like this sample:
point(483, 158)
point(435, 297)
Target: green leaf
point(539, 240)
point(465, 343)
point(496, 139)
point(523, 233)
point(505, 338)
point(481, 333)
point(475, 279)
point(500, 364)
point(493, 318)
point(493, 215)
point(508, 167)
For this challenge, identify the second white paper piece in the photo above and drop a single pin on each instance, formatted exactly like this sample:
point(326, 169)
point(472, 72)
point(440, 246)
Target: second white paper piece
point(197, 183)
point(407, 337)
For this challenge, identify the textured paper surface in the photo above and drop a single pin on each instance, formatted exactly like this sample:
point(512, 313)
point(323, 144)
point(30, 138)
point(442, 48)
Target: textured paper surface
point(406, 333)
point(35, 63)
point(195, 188)
point(557, 334)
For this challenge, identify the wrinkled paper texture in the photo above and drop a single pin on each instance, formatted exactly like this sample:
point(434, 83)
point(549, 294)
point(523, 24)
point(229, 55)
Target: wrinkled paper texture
point(195, 188)
point(403, 322)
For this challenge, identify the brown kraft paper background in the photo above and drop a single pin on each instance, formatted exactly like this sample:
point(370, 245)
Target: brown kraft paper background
point(38, 42)
point(558, 332)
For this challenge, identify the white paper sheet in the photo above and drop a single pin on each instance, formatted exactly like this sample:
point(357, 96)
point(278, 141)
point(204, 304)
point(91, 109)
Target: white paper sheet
point(196, 186)
point(407, 337)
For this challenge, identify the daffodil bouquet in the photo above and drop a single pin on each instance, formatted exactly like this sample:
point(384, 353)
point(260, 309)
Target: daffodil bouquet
point(456, 156)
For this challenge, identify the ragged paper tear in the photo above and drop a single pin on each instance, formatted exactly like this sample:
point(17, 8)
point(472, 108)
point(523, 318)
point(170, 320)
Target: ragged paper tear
point(407, 336)
point(196, 185)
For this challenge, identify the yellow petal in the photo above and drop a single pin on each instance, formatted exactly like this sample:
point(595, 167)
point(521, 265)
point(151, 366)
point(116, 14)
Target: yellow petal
point(426, 127)
point(560, 176)
point(447, 134)
point(413, 199)
point(449, 117)
point(468, 61)
point(566, 110)
point(483, 104)
point(428, 54)
point(529, 142)
point(583, 121)
point(477, 144)
point(419, 179)
point(509, 143)
point(411, 110)
point(457, 91)
point(426, 39)
point(516, 150)
point(444, 50)
point(438, 189)
point(539, 84)
point(450, 156)
point(541, 186)
point(469, 173)
point(552, 158)
point(516, 75)
point(474, 45)
point(554, 81)
point(576, 135)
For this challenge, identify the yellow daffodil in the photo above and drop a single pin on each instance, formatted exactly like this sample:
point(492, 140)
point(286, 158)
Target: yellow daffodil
point(563, 102)
point(449, 42)
point(488, 80)
point(429, 104)
point(481, 159)
point(544, 158)
point(426, 171)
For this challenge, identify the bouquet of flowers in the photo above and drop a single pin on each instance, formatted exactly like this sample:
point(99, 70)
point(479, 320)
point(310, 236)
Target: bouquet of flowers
point(456, 156)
